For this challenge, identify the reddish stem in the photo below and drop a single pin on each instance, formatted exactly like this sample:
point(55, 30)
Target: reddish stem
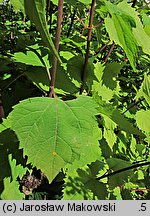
point(58, 33)
point(85, 66)
point(2, 114)
point(109, 53)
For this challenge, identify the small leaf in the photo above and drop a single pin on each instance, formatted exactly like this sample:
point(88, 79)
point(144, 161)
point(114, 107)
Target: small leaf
point(28, 58)
point(115, 115)
point(112, 31)
point(55, 2)
point(145, 19)
point(5, 125)
point(145, 89)
point(81, 184)
point(110, 75)
point(109, 134)
point(11, 185)
point(18, 5)
point(143, 121)
point(107, 85)
point(147, 30)
point(119, 28)
point(139, 34)
point(126, 38)
point(4, 164)
point(146, 23)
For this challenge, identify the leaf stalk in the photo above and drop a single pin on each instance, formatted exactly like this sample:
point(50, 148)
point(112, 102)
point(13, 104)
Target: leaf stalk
point(85, 66)
point(123, 170)
point(57, 41)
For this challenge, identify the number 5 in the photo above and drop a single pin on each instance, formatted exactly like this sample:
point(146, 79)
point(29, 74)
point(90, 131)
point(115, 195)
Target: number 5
point(143, 207)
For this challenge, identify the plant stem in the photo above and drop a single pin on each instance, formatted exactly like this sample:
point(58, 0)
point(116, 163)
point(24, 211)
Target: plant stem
point(123, 170)
point(134, 104)
point(2, 115)
point(24, 22)
point(85, 66)
point(71, 24)
point(54, 66)
point(20, 75)
point(110, 51)
point(103, 47)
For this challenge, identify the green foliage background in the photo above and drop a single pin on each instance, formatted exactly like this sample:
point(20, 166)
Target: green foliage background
point(85, 145)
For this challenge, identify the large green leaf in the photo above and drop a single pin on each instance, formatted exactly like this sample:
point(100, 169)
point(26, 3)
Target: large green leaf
point(54, 133)
point(93, 151)
point(35, 9)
